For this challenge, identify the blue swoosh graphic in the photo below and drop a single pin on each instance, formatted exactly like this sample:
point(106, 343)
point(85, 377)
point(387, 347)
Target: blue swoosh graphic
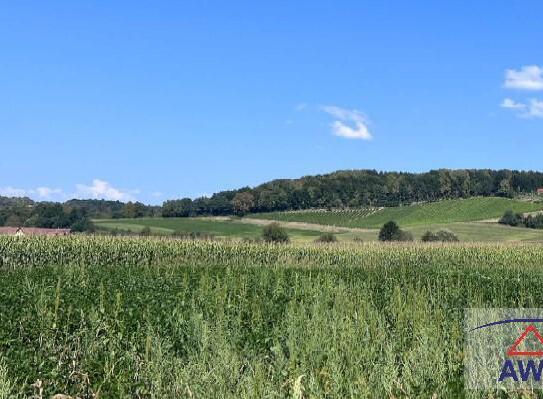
point(506, 321)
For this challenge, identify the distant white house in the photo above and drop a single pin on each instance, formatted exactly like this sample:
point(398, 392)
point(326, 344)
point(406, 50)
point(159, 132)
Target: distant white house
point(33, 231)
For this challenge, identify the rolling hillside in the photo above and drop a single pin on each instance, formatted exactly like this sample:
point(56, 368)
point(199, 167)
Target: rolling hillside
point(441, 212)
point(217, 227)
point(468, 219)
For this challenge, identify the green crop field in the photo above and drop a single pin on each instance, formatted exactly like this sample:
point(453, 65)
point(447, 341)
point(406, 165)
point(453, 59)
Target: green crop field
point(449, 211)
point(226, 227)
point(162, 318)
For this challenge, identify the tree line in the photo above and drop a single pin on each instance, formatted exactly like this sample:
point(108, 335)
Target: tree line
point(359, 188)
point(74, 214)
point(342, 189)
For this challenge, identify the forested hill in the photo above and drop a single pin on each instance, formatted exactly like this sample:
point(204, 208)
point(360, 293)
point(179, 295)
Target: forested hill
point(357, 188)
point(353, 188)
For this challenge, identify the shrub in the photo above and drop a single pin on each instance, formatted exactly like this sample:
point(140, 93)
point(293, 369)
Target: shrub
point(274, 233)
point(146, 231)
point(511, 219)
point(534, 222)
point(440, 235)
point(391, 232)
point(405, 236)
point(429, 236)
point(326, 238)
point(446, 236)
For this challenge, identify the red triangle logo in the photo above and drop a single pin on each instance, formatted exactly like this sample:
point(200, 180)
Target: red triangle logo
point(512, 351)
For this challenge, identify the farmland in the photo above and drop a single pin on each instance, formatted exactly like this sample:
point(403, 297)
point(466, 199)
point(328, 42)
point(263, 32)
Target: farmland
point(217, 227)
point(135, 317)
point(468, 219)
point(441, 212)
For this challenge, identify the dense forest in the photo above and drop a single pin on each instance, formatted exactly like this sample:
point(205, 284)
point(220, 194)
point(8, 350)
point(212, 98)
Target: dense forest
point(355, 188)
point(358, 188)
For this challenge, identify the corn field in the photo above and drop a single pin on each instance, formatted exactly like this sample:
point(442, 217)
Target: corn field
point(110, 317)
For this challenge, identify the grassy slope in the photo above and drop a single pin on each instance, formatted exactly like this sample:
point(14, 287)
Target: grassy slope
point(220, 228)
point(442, 212)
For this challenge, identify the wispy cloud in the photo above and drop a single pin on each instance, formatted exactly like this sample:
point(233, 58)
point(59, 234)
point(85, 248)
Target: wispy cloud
point(529, 77)
point(511, 104)
point(535, 109)
point(300, 106)
point(100, 189)
point(44, 193)
point(532, 109)
point(350, 124)
point(9, 191)
point(47, 192)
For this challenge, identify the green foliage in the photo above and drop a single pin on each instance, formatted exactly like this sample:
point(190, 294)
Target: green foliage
point(367, 188)
point(275, 233)
point(511, 218)
point(534, 222)
point(392, 232)
point(389, 232)
point(440, 235)
point(130, 317)
point(516, 219)
point(326, 238)
point(145, 232)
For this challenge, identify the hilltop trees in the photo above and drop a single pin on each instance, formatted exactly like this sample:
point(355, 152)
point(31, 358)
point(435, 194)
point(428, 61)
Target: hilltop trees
point(359, 188)
point(243, 203)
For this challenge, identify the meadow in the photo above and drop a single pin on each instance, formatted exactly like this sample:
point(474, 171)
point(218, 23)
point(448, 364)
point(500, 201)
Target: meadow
point(225, 227)
point(157, 317)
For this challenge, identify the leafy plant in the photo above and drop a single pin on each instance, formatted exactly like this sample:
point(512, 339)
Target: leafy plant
point(275, 233)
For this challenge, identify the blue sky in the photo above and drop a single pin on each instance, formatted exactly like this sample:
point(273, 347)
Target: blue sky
point(157, 100)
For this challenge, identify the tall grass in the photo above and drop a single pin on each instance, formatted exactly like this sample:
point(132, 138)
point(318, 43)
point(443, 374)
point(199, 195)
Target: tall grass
point(162, 318)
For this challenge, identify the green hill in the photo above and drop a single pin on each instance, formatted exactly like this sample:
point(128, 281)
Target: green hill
point(441, 212)
point(217, 227)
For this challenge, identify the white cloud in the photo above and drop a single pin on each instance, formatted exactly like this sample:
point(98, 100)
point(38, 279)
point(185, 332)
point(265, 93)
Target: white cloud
point(13, 192)
point(47, 192)
point(532, 109)
point(351, 124)
point(528, 77)
point(101, 189)
point(535, 109)
point(510, 104)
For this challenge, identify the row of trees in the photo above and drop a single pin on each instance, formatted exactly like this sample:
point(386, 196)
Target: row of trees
point(511, 218)
point(74, 214)
point(359, 188)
